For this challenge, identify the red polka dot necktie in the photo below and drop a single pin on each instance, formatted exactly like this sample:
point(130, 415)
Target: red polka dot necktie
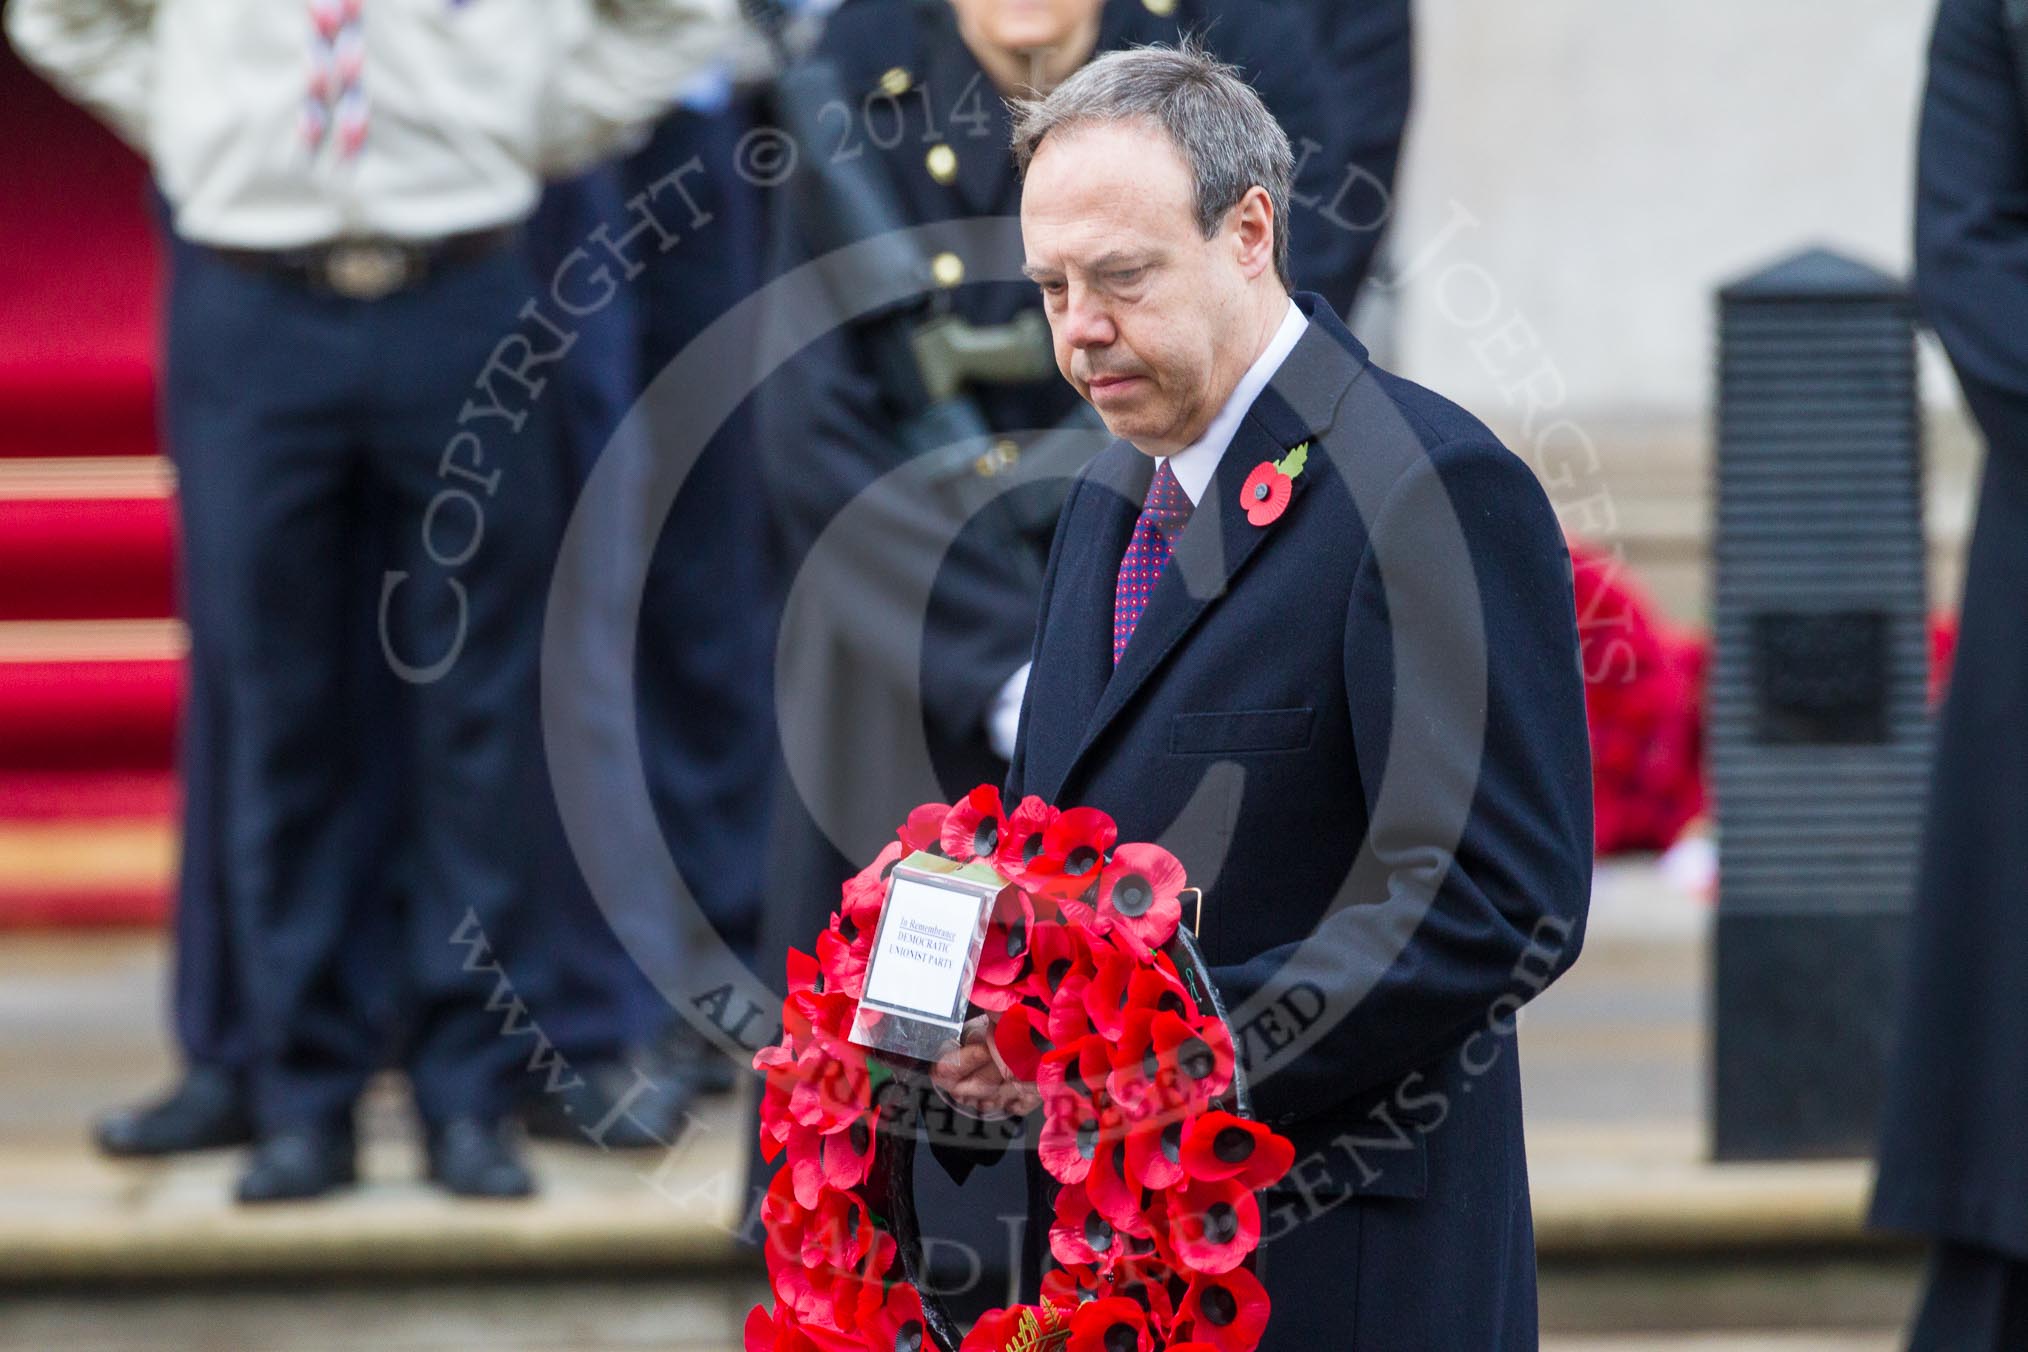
point(1162, 518)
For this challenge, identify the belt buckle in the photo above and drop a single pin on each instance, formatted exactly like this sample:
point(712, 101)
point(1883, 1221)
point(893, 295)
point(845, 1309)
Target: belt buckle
point(366, 269)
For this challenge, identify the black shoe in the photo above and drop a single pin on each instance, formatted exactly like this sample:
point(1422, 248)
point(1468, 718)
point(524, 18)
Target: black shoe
point(472, 1157)
point(300, 1162)
point(206, 1111)
point(639, 1104)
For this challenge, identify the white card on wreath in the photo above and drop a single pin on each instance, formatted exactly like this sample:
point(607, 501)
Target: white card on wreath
point(925, 955)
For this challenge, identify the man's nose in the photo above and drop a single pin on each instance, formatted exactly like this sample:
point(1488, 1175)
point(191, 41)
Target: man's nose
point(1087, 321)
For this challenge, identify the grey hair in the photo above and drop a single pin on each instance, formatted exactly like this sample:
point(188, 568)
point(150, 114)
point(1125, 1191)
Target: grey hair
point(1219, 125)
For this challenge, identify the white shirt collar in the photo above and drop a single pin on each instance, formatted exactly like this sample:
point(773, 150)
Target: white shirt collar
point(1194, 465)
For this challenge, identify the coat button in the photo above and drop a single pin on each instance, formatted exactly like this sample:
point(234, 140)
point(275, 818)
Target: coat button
point(948, 269)
point(897, 81)
point(942, 162)
point(1163, 8)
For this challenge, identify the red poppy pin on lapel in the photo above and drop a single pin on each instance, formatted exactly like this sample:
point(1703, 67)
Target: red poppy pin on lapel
point(1268, 489)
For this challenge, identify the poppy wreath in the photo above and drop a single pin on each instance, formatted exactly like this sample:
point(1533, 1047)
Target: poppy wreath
point(1103, 1003)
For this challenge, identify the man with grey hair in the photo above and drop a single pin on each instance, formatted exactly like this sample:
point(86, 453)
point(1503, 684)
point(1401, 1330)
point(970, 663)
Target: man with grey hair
point(1311, 626)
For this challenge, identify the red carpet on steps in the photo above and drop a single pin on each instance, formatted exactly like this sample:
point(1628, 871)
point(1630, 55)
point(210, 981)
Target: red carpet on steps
point(87, 793)
point(86, 558)
point(113, 716)
point(78, 279)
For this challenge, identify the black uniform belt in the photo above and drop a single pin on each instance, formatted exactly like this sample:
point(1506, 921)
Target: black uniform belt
point(367, 268)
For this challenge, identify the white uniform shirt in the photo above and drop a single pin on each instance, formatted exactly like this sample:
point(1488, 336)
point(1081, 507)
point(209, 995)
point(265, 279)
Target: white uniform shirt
point(470, 103)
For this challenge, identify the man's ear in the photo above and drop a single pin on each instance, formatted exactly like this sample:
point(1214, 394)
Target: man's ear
point(1253, 223)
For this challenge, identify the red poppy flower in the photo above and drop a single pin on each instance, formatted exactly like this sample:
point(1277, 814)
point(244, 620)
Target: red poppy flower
point(1213, 1226)
point(993, 1331)
point(1071, 1137)
point(1145, 1279)
point(810, 1020)
point(803, 973)
point(834, 1086)
point(1132, 1078)
point(784, 1218)
point(1219, 1145)
point(1113, 1194)
point(924, 828)
point(1003, 955)
point(836, 1159)
point(1057, 953)
point(1073, 1073)
point(1266, 494)
point(1201, 1052)
point(1068, 1020)
point(775, 1332)
point(1163, 1062)
point(843, 962)
point(1227, 1311)
point(1022, 840)
point(1021, 1036)
point(975, 825)
point(1070, 1285)
point(1105, 998)
point(1080, 1234)
point(837, 1232)
point(1111, 1325)
point(777, 1066)
point(892, 1318)
point(1152, 990)
point(805, 1296)
point(865, 892)
point(1073, 853)
point(1138, 896)
point(1155, 1152)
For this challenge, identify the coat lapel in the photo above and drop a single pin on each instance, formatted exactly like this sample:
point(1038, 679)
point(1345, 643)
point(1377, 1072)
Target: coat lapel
point(1299, 404)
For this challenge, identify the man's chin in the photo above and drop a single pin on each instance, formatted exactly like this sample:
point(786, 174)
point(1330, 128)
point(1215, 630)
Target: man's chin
point(1141, 432)
point(1123, 422)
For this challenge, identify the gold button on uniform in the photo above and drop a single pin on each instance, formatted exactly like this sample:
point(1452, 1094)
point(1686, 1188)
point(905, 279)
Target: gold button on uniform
point(1164, 8)
point(1004, 456)
point(897, 81)
point(942, 162)
point(948, 269)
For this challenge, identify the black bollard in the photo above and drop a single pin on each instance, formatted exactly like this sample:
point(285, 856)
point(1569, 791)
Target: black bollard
point(1819, 722)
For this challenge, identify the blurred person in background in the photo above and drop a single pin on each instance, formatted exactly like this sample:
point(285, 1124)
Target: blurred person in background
point(1954, 1142)
point(931, 77)
point(601, 1013)
point(210, 1104)
point(704, 668)
point(351, 178)
point(1367, 51)
point(625, 1087)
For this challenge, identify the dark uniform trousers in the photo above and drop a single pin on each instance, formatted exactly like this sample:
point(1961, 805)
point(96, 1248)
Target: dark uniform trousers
point(290, 408)
point(209, 1014)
